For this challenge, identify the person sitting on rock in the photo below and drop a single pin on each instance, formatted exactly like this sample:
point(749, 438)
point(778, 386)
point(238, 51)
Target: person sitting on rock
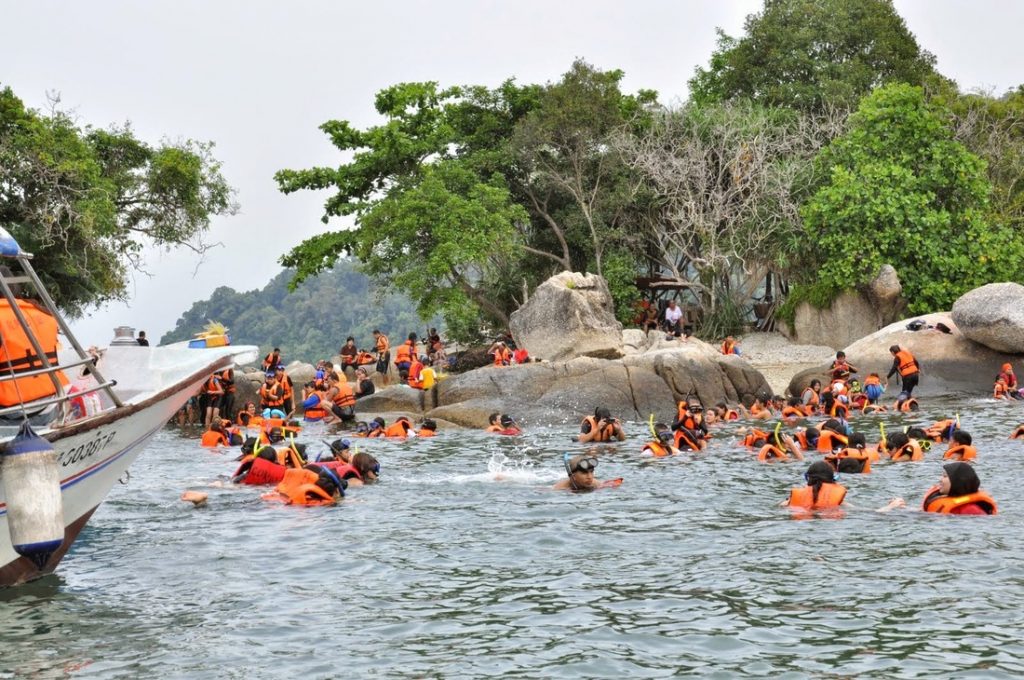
point(501, 353)
point(674, 325)
point(729, 346)
point(600, 427)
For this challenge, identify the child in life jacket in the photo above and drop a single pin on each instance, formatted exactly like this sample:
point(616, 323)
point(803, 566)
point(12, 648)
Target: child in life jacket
point(961, 447)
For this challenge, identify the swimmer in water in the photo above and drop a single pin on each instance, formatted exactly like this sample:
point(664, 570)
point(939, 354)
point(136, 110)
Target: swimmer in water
point(580, 474)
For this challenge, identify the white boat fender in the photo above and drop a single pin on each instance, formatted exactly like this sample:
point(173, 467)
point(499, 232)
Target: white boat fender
point(35, 511)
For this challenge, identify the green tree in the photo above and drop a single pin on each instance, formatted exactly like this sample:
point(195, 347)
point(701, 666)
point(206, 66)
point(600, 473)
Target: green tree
point(87, 202)
point(811, 54)
point(903, 191)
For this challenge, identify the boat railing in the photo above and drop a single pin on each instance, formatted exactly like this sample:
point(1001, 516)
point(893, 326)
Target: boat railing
point(51, 369)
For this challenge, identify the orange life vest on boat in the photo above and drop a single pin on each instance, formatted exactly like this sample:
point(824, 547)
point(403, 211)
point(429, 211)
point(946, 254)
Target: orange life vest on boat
point(299, 486)
point(602, 436)
point(18, 356)
point(906, 365)
point(946, 504)
point(960, 452)
point(829, 496)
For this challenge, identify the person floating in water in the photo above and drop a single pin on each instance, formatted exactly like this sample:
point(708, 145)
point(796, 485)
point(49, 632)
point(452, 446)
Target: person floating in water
point(821, 490)
point(580, 474)
point(957, 493)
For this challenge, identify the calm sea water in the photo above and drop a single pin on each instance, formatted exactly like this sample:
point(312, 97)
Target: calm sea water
point(442, 570)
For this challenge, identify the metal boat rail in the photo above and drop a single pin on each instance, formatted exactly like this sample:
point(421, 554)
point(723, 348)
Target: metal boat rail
point(12, 254)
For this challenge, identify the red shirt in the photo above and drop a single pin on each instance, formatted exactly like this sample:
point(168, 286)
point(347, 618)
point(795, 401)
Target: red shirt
point(968, 509)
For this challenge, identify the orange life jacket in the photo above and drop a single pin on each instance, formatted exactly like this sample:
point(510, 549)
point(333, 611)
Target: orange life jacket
point(728, 347)
point(813, 401)
point(859, 454)
point(829, 496)
point(345, 396)
point(960, 452)
point(425, 433)
point(246, 419)
point(299, 486)
point(382, 344)
point(753, 436)
point(801, 438)
point(906, 364)
point(227, 380)
point(364, 358)
point(1000, 390)
point(403, 354)
point(756, 410)
point(261, 471)
point(770, 453)
point(913, 449)
point(657, 449)
point(400, 428)
point(212, 438)
point(839, 410)
point(212, 385)
point(946, 504)
point(685, 439)
point(602, 436)
point(271, 361)
point(828, 439)
point(502, 356)
point(872, 380)
point(271, 396)
point(794, 411)
point(730, 414)
point(904, 407)
point(317, 412)
point(415, 380)
point(18, 356)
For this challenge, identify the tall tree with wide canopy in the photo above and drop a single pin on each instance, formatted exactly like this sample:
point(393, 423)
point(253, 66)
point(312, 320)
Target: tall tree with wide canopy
point(902, 191)
point(813, 54)
point(87, 202)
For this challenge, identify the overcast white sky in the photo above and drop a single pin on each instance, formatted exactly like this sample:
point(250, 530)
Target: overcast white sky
point(258, 77)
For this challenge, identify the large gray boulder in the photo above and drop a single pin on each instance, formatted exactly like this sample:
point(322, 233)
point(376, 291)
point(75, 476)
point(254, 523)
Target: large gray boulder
point(300, 373)
point(631, 388)
point(950, 362)
point(852, 315)
point(569, 315)
point(993, 315)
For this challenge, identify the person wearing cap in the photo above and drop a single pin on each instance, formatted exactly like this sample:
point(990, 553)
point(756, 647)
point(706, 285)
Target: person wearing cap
point(600, 427)
point(579, 471)
point(508, 425)
point(339, 449)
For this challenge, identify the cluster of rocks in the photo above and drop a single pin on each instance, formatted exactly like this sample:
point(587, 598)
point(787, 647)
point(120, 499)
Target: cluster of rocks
point(985, 330)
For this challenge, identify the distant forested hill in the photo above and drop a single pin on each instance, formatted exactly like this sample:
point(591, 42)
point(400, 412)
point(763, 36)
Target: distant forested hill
point(309, 324)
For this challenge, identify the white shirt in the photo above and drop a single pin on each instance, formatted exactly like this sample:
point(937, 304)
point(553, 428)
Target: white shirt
point(673, 314)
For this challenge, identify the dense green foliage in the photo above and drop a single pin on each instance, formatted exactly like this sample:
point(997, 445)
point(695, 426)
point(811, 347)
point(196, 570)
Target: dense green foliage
point(309, 323)
point(902, 191)
point(87, 201)
point(466, 196)
point(812, 54)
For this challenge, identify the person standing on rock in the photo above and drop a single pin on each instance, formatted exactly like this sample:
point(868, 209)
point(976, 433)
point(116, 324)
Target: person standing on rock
point(600, 427)
point(383, 348)
point(904, 363)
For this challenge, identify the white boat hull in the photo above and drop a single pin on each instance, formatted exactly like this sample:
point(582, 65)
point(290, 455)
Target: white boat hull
point(93, 454)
